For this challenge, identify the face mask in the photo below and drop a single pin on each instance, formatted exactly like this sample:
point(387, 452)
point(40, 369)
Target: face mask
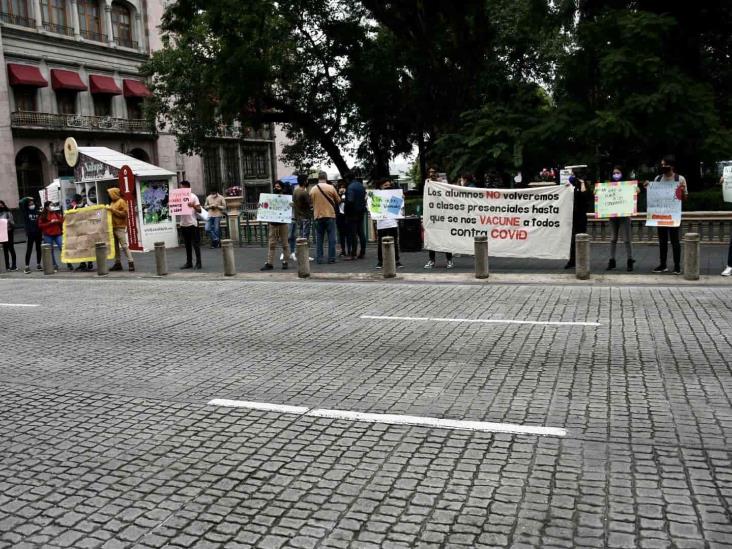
point(278, 191)
point(32, 207)
point(666, 169)
point(617, 176)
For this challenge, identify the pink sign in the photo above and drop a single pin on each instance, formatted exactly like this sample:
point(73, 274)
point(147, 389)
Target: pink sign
point(178, 202)
point(3, 230)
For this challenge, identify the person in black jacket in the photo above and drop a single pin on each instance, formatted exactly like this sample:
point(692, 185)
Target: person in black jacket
point(355, 210)
point(9, 246)
point(31, 210)
point(582, 200)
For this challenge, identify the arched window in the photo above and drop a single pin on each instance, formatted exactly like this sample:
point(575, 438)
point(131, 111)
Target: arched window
point(90, 23)
point(15, 12)
point(122, 25)
point(54, 16)
point(29, 167)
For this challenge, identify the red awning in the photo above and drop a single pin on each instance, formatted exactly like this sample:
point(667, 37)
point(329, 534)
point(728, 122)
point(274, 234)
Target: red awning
point(135, 88)
point(103, 85)
point(25, 75)
point(66, 80)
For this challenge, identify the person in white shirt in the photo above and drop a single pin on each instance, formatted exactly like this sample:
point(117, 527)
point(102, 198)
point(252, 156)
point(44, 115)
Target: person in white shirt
point(387, 227)
point(189, 230)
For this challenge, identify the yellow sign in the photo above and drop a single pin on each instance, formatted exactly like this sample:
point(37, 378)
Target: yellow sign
point(83, 228)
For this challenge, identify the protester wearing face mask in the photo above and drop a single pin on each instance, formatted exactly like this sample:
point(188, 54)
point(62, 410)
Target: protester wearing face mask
point(582, 197)
point(277, 235)
point(9, 246)
point(51, 223)
point(618, 224)
point(31, 213)
point(668, 174)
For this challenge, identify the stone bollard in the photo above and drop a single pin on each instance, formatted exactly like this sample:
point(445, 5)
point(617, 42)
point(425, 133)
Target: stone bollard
point(582, 256)
point(303, 257)
point(161, 259)
point(691, 256)
point(46, 259)
point(227, 248)
point(481, 256)
point(388, 254)
point(101, 252)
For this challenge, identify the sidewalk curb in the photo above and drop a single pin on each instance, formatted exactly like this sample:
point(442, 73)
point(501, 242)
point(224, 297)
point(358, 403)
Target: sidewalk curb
point(496, 279)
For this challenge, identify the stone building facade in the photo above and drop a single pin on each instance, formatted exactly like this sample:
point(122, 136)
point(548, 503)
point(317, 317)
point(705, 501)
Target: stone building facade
point(71, 68)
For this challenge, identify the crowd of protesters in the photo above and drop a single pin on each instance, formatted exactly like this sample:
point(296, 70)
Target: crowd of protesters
point(336, 214)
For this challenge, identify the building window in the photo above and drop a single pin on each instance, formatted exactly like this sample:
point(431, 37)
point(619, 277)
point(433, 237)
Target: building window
point(231, 165)
point(122, 25)
point(89, 21)
point(102, 105)
point(25, 98)
point(66, 101)
point(134, 108)
point(15, 12)
point(254, 160)
point(53, 13)
point(212, 169)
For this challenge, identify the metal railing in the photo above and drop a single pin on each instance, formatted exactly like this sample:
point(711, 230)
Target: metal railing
point(713, 227)
point(17, 20)
point(125, 43)
point(79, 122)
point(58, 29)
point(96, 36)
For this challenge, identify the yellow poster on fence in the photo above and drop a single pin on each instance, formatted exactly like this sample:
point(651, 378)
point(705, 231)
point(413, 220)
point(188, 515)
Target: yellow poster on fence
point(83, 228)
point(616, 199)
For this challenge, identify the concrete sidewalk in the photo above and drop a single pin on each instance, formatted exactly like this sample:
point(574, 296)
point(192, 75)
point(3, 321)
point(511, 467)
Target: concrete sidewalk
point(503, 270)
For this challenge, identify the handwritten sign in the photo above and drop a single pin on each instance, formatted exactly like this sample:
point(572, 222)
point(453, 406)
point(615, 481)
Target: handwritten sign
point(663, 208)
point(178, 202)
point(3, 230)
point(274, 208)
point(386, 204)
point(727, 184)
point(616, 199)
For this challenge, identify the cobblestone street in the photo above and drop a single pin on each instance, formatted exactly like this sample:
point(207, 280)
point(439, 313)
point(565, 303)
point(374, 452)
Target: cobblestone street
point(108, 437)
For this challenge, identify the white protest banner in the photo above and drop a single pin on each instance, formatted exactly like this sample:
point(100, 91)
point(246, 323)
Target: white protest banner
point(663, 209)
point(727, 184)
point(518, 222)
point(386, 204)
point(616, 199)
point(178, 202)
point(274, 208)
point(3, 230)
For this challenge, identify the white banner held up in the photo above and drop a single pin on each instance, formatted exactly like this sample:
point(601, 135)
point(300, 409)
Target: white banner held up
point(274, 208)
point(518, 222)
point(727, 184)
point(663, 209)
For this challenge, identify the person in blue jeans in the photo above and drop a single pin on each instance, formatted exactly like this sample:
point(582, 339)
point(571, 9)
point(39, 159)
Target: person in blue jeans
point(51, 224)
point(216, 207)
point(325, 201)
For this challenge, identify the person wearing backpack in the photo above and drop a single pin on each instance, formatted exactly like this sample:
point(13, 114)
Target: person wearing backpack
point(325, 204)
point(668, 174)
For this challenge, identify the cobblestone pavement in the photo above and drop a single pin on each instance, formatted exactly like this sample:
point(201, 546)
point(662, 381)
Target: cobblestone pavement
point(107, 438)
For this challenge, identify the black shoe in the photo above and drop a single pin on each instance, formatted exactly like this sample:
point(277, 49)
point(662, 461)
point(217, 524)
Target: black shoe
point(660, 269)
point(13, 268)
point(186, 266)
point(611, 265)
point(630, 265)
point(197, 267)
point(331, 261)
point(116, 267)
point(569, 265)
point(378, 266)
point(399, 265)
point(677, 270)
point(81, 267)
point(267, 267)
point(284, 266)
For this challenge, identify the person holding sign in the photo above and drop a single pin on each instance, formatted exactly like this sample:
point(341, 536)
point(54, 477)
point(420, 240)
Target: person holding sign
point(432, 175)
point(582, 197)
point(9, 243)
point(387, 226)
point(618, 224)
point(277, 235)
point(665, 194)
point(189, 228)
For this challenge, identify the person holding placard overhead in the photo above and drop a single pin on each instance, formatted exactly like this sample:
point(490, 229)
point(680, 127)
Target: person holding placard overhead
point(582, 198)
point(618, 224)
point(669, 175)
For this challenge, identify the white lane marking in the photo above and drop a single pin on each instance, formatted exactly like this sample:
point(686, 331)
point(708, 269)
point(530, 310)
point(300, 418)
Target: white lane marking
point(19, 305)
point(439, 423)
point(482, 320)
point(394, 419)
point(265, 406)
